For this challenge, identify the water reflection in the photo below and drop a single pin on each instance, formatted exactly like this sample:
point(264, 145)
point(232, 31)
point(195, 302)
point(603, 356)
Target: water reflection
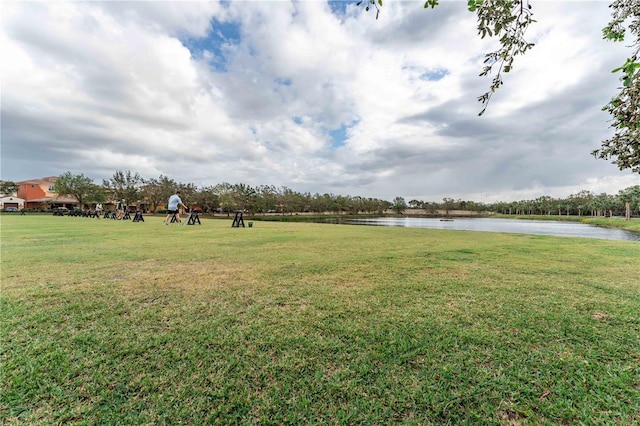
point(536, 227)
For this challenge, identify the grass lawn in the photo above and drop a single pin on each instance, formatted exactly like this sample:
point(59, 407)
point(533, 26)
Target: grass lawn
point(115, 322)
point(607, 222)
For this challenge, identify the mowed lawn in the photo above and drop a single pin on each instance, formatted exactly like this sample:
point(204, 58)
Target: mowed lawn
point(115, 322)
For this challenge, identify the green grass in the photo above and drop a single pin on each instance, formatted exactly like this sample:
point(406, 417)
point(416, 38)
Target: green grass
point(616, 222)
point(111, 322)
point(610, 222)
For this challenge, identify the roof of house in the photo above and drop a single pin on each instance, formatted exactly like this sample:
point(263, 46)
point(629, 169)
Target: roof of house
point(47, 180)
point(11, 198)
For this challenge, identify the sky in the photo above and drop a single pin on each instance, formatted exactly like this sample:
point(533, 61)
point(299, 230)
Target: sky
point(315, 96)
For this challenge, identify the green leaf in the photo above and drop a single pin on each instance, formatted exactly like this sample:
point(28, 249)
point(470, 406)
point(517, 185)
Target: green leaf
point(431, 3)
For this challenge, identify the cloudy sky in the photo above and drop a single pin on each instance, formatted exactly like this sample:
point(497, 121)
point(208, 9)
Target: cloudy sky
point(316, 96)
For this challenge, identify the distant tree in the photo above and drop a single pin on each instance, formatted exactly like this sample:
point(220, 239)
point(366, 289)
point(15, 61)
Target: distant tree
point(340, 203)
point(267, 198)
point(157, 191)
point(631, 199)
point(245, 197)
point(415, 204)
point(79, 187)
point(225, 194)
point(544, 204)
point(474, 206)
point(290, 201)
point(317, 204)
point(430, 206)
point(322, 203)
point(635, 198)
point(96, 194)
point(124, 185)
point(207, 199)
point(398, 205)
point(603, 204)
point(382, 206)
point(188, 192)
point(581, 200)
point(355, 205)
point(498, 207)
point(448, 204)
point(370, 205)
point(376, 205)
point(8, 188)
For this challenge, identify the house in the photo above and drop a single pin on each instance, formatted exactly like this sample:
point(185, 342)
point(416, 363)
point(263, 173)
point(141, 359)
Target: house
point(11, 201)
point(41, 193)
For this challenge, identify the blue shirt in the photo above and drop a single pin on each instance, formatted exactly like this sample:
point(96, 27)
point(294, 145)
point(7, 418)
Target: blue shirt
point(174, 201)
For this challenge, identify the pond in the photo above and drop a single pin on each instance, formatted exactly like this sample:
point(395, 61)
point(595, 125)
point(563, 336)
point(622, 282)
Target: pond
point(537, 227)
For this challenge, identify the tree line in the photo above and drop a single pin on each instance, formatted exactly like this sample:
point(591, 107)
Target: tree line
point(152, 195)
point(584, 203)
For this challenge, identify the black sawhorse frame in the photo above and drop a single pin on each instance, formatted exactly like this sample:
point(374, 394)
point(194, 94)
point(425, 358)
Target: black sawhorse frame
point(138, 217)
point(238, 221)
point(174, 219)
point(194, 217)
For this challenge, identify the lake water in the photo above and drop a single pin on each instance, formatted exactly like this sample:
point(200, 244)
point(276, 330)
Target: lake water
point(537, 227)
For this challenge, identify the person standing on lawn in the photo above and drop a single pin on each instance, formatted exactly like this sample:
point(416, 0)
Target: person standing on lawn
point(172, 208)
point(120, 209)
